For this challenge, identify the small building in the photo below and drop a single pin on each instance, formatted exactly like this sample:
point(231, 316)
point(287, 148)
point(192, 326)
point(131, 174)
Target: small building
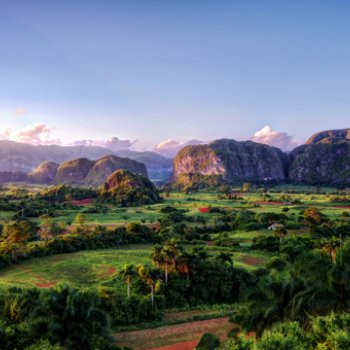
point(275, 227)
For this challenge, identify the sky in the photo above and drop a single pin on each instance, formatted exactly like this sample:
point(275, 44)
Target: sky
point(148, 72)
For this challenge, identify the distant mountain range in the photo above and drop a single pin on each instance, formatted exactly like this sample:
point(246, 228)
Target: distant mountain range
point(23, 158)
point(323, 160)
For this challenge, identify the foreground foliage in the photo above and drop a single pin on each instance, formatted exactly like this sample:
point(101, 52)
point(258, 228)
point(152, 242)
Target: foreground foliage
point(325, 333)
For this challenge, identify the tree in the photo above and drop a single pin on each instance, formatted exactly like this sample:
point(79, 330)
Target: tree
point(70, 317)
point(48, 227)
point(16, 232)
point(161, 257)
point(246, 187)
point(128, 272)
point(225, 258)
point(312, 216)
point(284, 336)
point(331, 246)
point(208, 342)
point(157, 255)
point(150, 277)
point(280, 232)
point(81, 219)
point(170, 253)
point(14, 237)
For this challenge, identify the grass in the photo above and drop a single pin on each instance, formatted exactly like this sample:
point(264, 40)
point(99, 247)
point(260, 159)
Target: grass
point(80, 269)
point(91, 268)
point(96, 267)
point(191, 203)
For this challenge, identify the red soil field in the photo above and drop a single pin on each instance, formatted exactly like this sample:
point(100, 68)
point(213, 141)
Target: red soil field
point(269, 203)
point(249, 260)
point(81, 202)
point(184, 336)
point(46, 284)
point(106, 271)
point(188, 345)
point(42, 282)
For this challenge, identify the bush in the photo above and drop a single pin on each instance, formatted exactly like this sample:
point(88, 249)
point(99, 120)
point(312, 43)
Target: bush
point(208, 342)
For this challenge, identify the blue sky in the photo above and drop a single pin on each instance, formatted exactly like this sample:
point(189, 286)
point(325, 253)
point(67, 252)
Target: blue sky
point(152, 70)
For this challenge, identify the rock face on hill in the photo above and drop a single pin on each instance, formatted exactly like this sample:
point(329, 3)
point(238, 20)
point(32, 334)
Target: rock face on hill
point(45, 173)
point(73, 171)
point(233, 161)
point(127, 189)
point(329, 136)
point(323, 160)
point(105, 166)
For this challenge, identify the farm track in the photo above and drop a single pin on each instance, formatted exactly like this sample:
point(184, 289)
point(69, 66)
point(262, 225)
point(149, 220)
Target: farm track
point(184, 336)
point(43, 283)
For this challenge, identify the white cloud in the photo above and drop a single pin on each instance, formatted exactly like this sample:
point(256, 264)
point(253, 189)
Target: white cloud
point(170, 147)
point(278, 139)
point(113, 143)
point(35, 134)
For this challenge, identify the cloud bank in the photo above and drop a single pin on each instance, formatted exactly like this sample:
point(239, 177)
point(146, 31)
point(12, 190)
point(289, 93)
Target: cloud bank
point(278, 139)
point(41, 134)
point(170, 147)
point(35, 134)
point(114, 143)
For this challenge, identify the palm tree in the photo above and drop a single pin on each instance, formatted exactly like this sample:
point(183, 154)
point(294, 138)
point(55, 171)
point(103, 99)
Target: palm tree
point(183, 263)
point(157, 255)
point(189, 259)
point(169, 253)
point(317, 294)
point(149, 276)
point(280, 232)
point(331, 247)
point(172, 250)
point(70, 317)
point(225, 258)
point(127, 273)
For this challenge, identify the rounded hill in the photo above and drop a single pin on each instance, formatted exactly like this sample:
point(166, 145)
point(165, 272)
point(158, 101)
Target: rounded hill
point(73, 171)
point(43, 173)
point(108, 165)
point(127, 189)
point(233, 161)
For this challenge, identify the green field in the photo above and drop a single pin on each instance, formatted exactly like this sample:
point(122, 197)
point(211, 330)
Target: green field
point(81, 269)
point(91, 268)
point(96, 267)
point(231, 225)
